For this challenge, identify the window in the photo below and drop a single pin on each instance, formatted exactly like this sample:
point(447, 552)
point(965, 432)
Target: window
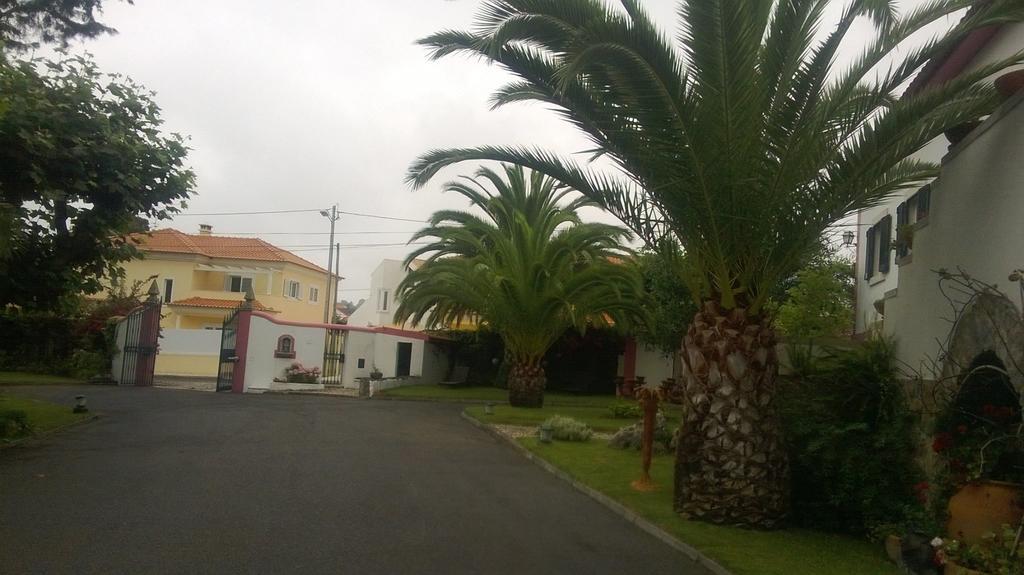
point(238, 284)
point(285, 347)
point(877, 249)
point(168, 289)
point(361, 363)
point(382, 300)
point(314, 295)
point(908, 214)
point(292, 289)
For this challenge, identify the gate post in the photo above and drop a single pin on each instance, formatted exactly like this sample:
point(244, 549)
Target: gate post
point(242, 341)
point(149, 337)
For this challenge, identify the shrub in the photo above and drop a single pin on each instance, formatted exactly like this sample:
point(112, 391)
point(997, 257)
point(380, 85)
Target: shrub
point(851, 440)
point(85, 364)
point(14, 423)
point(568, 429)
point(297, 373)
point(631, 436)
point(624, 409)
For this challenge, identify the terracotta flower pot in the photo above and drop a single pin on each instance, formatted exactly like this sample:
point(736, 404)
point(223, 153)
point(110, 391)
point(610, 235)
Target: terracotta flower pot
point(983, 507)
point(1010, 83)
point(957, 133)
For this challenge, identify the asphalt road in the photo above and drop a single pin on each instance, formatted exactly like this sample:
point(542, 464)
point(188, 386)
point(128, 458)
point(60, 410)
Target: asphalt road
point(172, 481)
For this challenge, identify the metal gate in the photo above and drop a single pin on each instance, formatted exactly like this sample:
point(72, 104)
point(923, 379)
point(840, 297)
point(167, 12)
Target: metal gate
point(334, 357)
point(228, 356)
point(141, 334)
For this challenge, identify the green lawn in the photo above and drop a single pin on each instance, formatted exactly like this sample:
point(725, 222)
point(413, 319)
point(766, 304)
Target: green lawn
point(42, 416)
point(786, 552)
point(599, 418)
point(489, 394)
point(22, 378)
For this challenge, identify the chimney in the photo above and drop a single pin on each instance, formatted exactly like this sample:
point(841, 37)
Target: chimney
point(205, 230)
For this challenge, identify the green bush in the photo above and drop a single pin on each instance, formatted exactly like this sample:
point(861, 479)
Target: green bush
point(624, 409)
point(85, 364)
point(568, 429)
point(14, 423)
point(631, 436)
point(851, 440)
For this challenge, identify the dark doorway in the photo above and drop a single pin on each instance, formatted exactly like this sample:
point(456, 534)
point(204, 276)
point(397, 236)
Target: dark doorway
point(404, 360)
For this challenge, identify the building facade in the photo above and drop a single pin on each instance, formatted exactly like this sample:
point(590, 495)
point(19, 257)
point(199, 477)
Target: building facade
point(968, 218)
point(203, 276)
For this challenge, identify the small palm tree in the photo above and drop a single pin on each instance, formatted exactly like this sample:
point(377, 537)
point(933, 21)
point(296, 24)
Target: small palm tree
point(529, 269)
point(743, 143)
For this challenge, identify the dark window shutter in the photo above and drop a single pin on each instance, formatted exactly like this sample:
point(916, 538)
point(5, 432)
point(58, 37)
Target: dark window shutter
point(902, 219)
point(924, 200)
point(869, 254)
point(884, 243)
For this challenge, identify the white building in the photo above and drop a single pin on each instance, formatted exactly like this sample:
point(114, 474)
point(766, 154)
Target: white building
point(378, 310)
point(970, 217)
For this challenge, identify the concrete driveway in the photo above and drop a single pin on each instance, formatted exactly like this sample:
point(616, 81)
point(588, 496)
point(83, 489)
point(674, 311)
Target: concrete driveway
point(188, 482)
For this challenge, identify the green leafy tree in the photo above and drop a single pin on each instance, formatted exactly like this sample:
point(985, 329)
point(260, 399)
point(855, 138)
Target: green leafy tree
point(528, 269)
point(83, 158)
point(820, 304)
point(26, 23)
point(743, 140)
point(668, 301)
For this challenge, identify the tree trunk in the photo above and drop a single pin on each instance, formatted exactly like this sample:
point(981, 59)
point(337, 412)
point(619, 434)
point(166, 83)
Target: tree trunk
point(731, 466)
point(526, 382)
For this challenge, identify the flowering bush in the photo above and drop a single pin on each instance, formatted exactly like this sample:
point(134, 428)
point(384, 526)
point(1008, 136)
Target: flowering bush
point(983, 445)
point(299, 374)
point(997, 554)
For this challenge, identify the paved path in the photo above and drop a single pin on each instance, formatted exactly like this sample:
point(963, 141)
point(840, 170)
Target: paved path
point(188, 482)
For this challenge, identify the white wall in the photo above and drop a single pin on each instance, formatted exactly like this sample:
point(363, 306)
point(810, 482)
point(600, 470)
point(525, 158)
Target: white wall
point(358, 345)
point(117, 362)
point(976, 222)
point(261, 367)
point(428, 364)
point(651, 363)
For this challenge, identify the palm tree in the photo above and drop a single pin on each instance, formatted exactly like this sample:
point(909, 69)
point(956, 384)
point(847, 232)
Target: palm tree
point(529, 269)
point(743, 141)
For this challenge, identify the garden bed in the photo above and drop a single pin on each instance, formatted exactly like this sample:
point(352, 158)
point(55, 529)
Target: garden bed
point(484, 394)
point(41, 416)
point(24, 378)
point(598, 418)
point(782, 552)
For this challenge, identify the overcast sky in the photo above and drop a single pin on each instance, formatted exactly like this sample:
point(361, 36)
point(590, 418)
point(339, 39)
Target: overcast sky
point(299, 105)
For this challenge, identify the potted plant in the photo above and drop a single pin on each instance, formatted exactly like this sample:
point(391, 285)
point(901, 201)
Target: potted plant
point(376, 374)
point(998, 553)
point(1010, 83)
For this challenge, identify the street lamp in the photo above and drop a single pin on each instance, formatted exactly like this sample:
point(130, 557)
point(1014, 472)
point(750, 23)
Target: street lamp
point(848, 237)
point(333, 216)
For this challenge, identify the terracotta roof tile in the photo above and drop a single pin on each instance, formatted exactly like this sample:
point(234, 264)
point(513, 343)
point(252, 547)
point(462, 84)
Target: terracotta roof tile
point(217, 303)
point(225, 247)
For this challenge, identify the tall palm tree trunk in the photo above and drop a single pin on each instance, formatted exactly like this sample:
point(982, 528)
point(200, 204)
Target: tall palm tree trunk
point(730, 464)
point(526, 381)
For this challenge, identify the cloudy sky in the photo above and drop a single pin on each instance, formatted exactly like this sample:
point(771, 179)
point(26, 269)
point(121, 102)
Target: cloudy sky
point(305, 104)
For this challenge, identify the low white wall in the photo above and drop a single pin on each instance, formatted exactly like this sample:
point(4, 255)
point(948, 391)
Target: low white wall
point(358, 345)
point(261, 367)
point(117, 362)
point(435, 364)
point(651, 364)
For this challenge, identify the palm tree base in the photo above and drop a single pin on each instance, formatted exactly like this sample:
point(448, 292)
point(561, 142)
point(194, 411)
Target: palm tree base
point(731, 467)
point(526, 386)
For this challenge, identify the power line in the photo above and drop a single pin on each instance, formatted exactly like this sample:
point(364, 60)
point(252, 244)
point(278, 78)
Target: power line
point(382, 217)
point(246, 213)
point(312, 233)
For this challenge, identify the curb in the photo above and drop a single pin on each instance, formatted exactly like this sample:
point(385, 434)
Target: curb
point(614, 506)
point(46, 434)
point(383, 397)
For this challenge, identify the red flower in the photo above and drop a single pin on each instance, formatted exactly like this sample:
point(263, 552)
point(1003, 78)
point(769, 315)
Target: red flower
point(942, 442)
point(962, 429)
point(921, 491)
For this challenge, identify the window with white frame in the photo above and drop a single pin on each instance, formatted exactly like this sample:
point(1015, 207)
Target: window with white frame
point(314, 295)
point(168, 289)
point(237, 284)
point(382, 300)
point(292, 289)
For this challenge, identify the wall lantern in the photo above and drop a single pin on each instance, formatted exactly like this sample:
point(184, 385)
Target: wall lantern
point(848, 237)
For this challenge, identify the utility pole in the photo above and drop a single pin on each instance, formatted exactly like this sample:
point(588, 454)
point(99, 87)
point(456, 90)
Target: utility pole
point(337, 276)
point(333, 216)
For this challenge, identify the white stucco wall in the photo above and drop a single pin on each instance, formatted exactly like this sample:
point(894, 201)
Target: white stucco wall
point(261, 367)
point(117, 361)
point(976, 222)
point(1007, 42)
point(651, 363)
point(386, 276)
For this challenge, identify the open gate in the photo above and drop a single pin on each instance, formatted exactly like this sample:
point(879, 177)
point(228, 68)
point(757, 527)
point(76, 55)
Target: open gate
point(228, 354)
point(334, 357)
point(138, 349)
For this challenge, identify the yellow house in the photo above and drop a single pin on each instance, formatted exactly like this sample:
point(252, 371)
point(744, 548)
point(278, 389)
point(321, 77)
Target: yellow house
point(202, 277)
